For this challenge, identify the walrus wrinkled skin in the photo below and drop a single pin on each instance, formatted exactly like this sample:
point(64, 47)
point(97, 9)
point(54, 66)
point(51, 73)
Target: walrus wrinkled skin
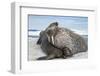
point(63, 38)
point(50, 50)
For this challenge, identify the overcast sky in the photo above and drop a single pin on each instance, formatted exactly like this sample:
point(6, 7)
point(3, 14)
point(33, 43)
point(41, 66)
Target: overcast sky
point(71, 22)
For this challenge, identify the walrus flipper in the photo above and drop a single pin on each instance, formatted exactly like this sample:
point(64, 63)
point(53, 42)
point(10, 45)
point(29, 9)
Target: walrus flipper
point(42, 58)
point(47, 57)
point(67, 52)
point(39, 41)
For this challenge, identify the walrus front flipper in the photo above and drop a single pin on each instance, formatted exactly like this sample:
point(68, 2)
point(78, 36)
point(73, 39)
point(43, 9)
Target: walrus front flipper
point(47, 57)
point(40, 38)
point(39, 41)
point(67, 53)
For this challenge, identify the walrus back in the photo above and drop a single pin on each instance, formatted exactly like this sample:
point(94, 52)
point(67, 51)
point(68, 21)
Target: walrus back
point(79, 42)
point(71, 40)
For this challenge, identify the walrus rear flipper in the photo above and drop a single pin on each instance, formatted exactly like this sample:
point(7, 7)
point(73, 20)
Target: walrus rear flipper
point(47, 57)
point(42, 58)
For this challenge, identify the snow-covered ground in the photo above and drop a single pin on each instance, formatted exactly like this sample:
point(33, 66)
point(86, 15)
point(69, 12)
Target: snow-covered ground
point(34, 49)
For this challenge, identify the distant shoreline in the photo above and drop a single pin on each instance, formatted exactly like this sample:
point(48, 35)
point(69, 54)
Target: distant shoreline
point(33, 36)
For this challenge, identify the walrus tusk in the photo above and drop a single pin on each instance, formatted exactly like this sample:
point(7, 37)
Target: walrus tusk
point(52, 39)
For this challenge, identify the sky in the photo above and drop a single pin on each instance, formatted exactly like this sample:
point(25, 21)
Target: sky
point(37, 22)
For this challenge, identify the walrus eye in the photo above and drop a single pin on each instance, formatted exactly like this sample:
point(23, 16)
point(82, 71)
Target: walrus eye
point(50, 32)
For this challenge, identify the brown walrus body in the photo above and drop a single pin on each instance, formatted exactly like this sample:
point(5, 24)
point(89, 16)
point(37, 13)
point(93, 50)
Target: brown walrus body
point(63, 38)
point(59, 42)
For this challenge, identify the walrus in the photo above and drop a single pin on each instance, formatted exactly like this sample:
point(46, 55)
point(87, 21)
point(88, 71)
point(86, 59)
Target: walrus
point(51, 51)
point(69, 42)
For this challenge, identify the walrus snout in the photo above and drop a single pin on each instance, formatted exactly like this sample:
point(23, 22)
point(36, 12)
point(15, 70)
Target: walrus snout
point(50, 35)
point(50, 39)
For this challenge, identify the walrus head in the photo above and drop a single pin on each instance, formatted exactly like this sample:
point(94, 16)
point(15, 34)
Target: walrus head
point(51, 31)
